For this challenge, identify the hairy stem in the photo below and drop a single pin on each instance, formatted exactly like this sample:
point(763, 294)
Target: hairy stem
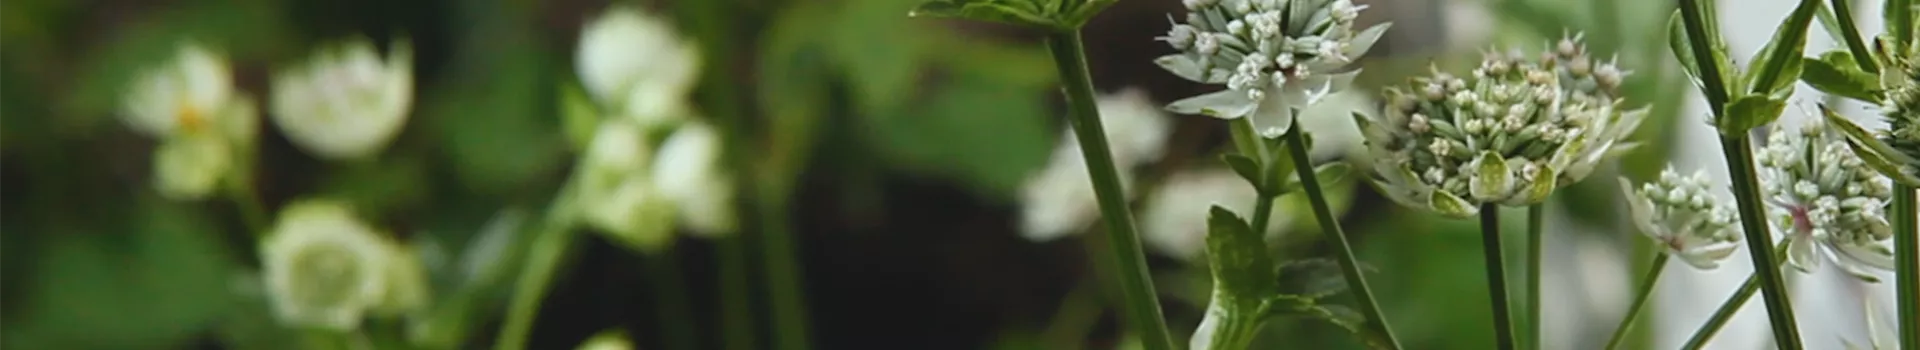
point(1639, 300)
point(1142, 305)
point(1496, 275)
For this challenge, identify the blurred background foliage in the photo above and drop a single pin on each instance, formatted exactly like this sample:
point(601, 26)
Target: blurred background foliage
point(906, 140)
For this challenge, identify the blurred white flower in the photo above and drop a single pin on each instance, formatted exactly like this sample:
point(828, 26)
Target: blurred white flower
point(325, 268)
point(634, 63)
point(613, 339)
point(345, 102)
point(203, 125)
point(616, 192)
point(688, 172)
point(1685, 218)
point(1059, 199)
point(1174, 219)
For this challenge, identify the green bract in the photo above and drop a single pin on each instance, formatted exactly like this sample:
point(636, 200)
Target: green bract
point(1510, 134)
point(1050, 14)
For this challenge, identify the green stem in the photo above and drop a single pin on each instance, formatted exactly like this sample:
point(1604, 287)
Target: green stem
point(1724, 313)
point(543, 258)
point(1746, 190)
point(1639, 300)
point(1142, 309)
point(1234, 332)
point(1906, 251)
point(1496, 275)
point(1901, 23)
point(1079, 311)
point(1383, 337)
point(782, 264)
point(1843, 13)
point(1250, 145)
point(1536, 228)
point(736, 286)
point(671, 309)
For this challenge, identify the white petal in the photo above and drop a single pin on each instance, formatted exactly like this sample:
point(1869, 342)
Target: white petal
point(1224, 104)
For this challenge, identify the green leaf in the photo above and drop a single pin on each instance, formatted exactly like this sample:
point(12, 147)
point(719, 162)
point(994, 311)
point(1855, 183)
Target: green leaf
point(1003, 11)
point(1748, 112)
point(1238, 257)
point(491, 118)
point(985, 133)
point(1836, 73)
point(1681, 47)
point(1774, 66)
point(1329, 175)
point(1246, 168)
point(1312, 278)
point(381, 188)
point(1085, 12)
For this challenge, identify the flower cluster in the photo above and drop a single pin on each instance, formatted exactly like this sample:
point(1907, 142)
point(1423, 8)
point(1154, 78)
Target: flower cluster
point(1832, 204)
point(1900, 103)
point(1059, 199)
point(1510, 134)
point(647, 166)
point(345, 103)
point(1685, 217)
point(1275, 56)
point(325, 268)
point(205, 127)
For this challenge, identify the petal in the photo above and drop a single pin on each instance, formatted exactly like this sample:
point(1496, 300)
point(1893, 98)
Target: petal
point(1802, 255)
point(1449, 205)
point(1275, 117)
point(1362, 42)
point(1492, 181)
point(1224, 104)
point(1186, 67)
point(1875, 255)
point(1641, 209)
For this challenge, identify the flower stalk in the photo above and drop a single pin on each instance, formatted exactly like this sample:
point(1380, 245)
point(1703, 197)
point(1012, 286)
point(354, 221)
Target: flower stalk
point(1906, 251)
point(1740, 164)
point(1724, 313)
point(1536, 227)
point(1496, 275)
point(544, 256)
point(1639, 300)
point(1349, 265)
point(1141, 305)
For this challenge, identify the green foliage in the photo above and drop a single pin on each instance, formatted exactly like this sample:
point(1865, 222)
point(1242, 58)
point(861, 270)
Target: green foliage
point(1748, 112)
point(494, 119)
point(1774, 67)
point(1059, 15)
point(1836, 72)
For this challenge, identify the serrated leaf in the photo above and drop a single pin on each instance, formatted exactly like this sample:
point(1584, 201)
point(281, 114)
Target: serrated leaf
point(1681, 47)
point(1748, 112)
point(1836, 73)
point(992, 11)
point(1774, 66)
point(1237, 257)
point(1312, 278)
point(1246, 168)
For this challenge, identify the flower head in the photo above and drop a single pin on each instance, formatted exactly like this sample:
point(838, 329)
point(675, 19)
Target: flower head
point(688, 172)
point(326, 268)
point(188, 102)
point(1685, 217)
point(617, 193)
point(1274, 56)
point(1833, 206)
point(1059, 199)
point(634, 63)
point(1509, 134)
point(346, 102)
point(1900, 102)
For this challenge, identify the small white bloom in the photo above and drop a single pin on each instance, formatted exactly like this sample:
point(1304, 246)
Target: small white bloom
point(607, 340)
point(326, 268)
point(616, 191)
point(1059, 199)
point(346, 102)
point(1832, 206)
point(1275, 51)
point(1683, 215)
point(635, 63)
point(188, 103)
point(688, 172)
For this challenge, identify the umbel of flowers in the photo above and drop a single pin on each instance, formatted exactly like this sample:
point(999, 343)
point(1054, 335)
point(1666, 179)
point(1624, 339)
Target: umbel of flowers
point(1275, 56)
point(346, 102)
point(1509, 134)
point(1830, 204)
point(1685, 218)
point(205, 127)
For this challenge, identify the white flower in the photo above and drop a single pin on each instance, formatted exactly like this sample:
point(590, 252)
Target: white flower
point(1059, 199)
point(203, 125)
point(616, 191)
point(688, 172)
point(327, 269)
point(1174, 219)
point(345, 102)
point(1831, 204)
point(1274, 56)
point(1684, 217)
point(635, 64)
point(607, 340)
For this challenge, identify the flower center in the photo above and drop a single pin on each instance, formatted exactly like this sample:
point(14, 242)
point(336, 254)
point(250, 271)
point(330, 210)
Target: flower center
point(1802, 223)
point(188, 118)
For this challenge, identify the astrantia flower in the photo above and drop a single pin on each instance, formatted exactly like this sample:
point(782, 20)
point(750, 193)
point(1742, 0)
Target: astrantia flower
point(1685, 217)
point(345, 102)
point(1510, 134)
point(1832, 205)
point(1274, 56)
point(327, 269)
point(688, 172)
point(188, 102)
point(1059, 199)
point(616, 190)
point(635, 64)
